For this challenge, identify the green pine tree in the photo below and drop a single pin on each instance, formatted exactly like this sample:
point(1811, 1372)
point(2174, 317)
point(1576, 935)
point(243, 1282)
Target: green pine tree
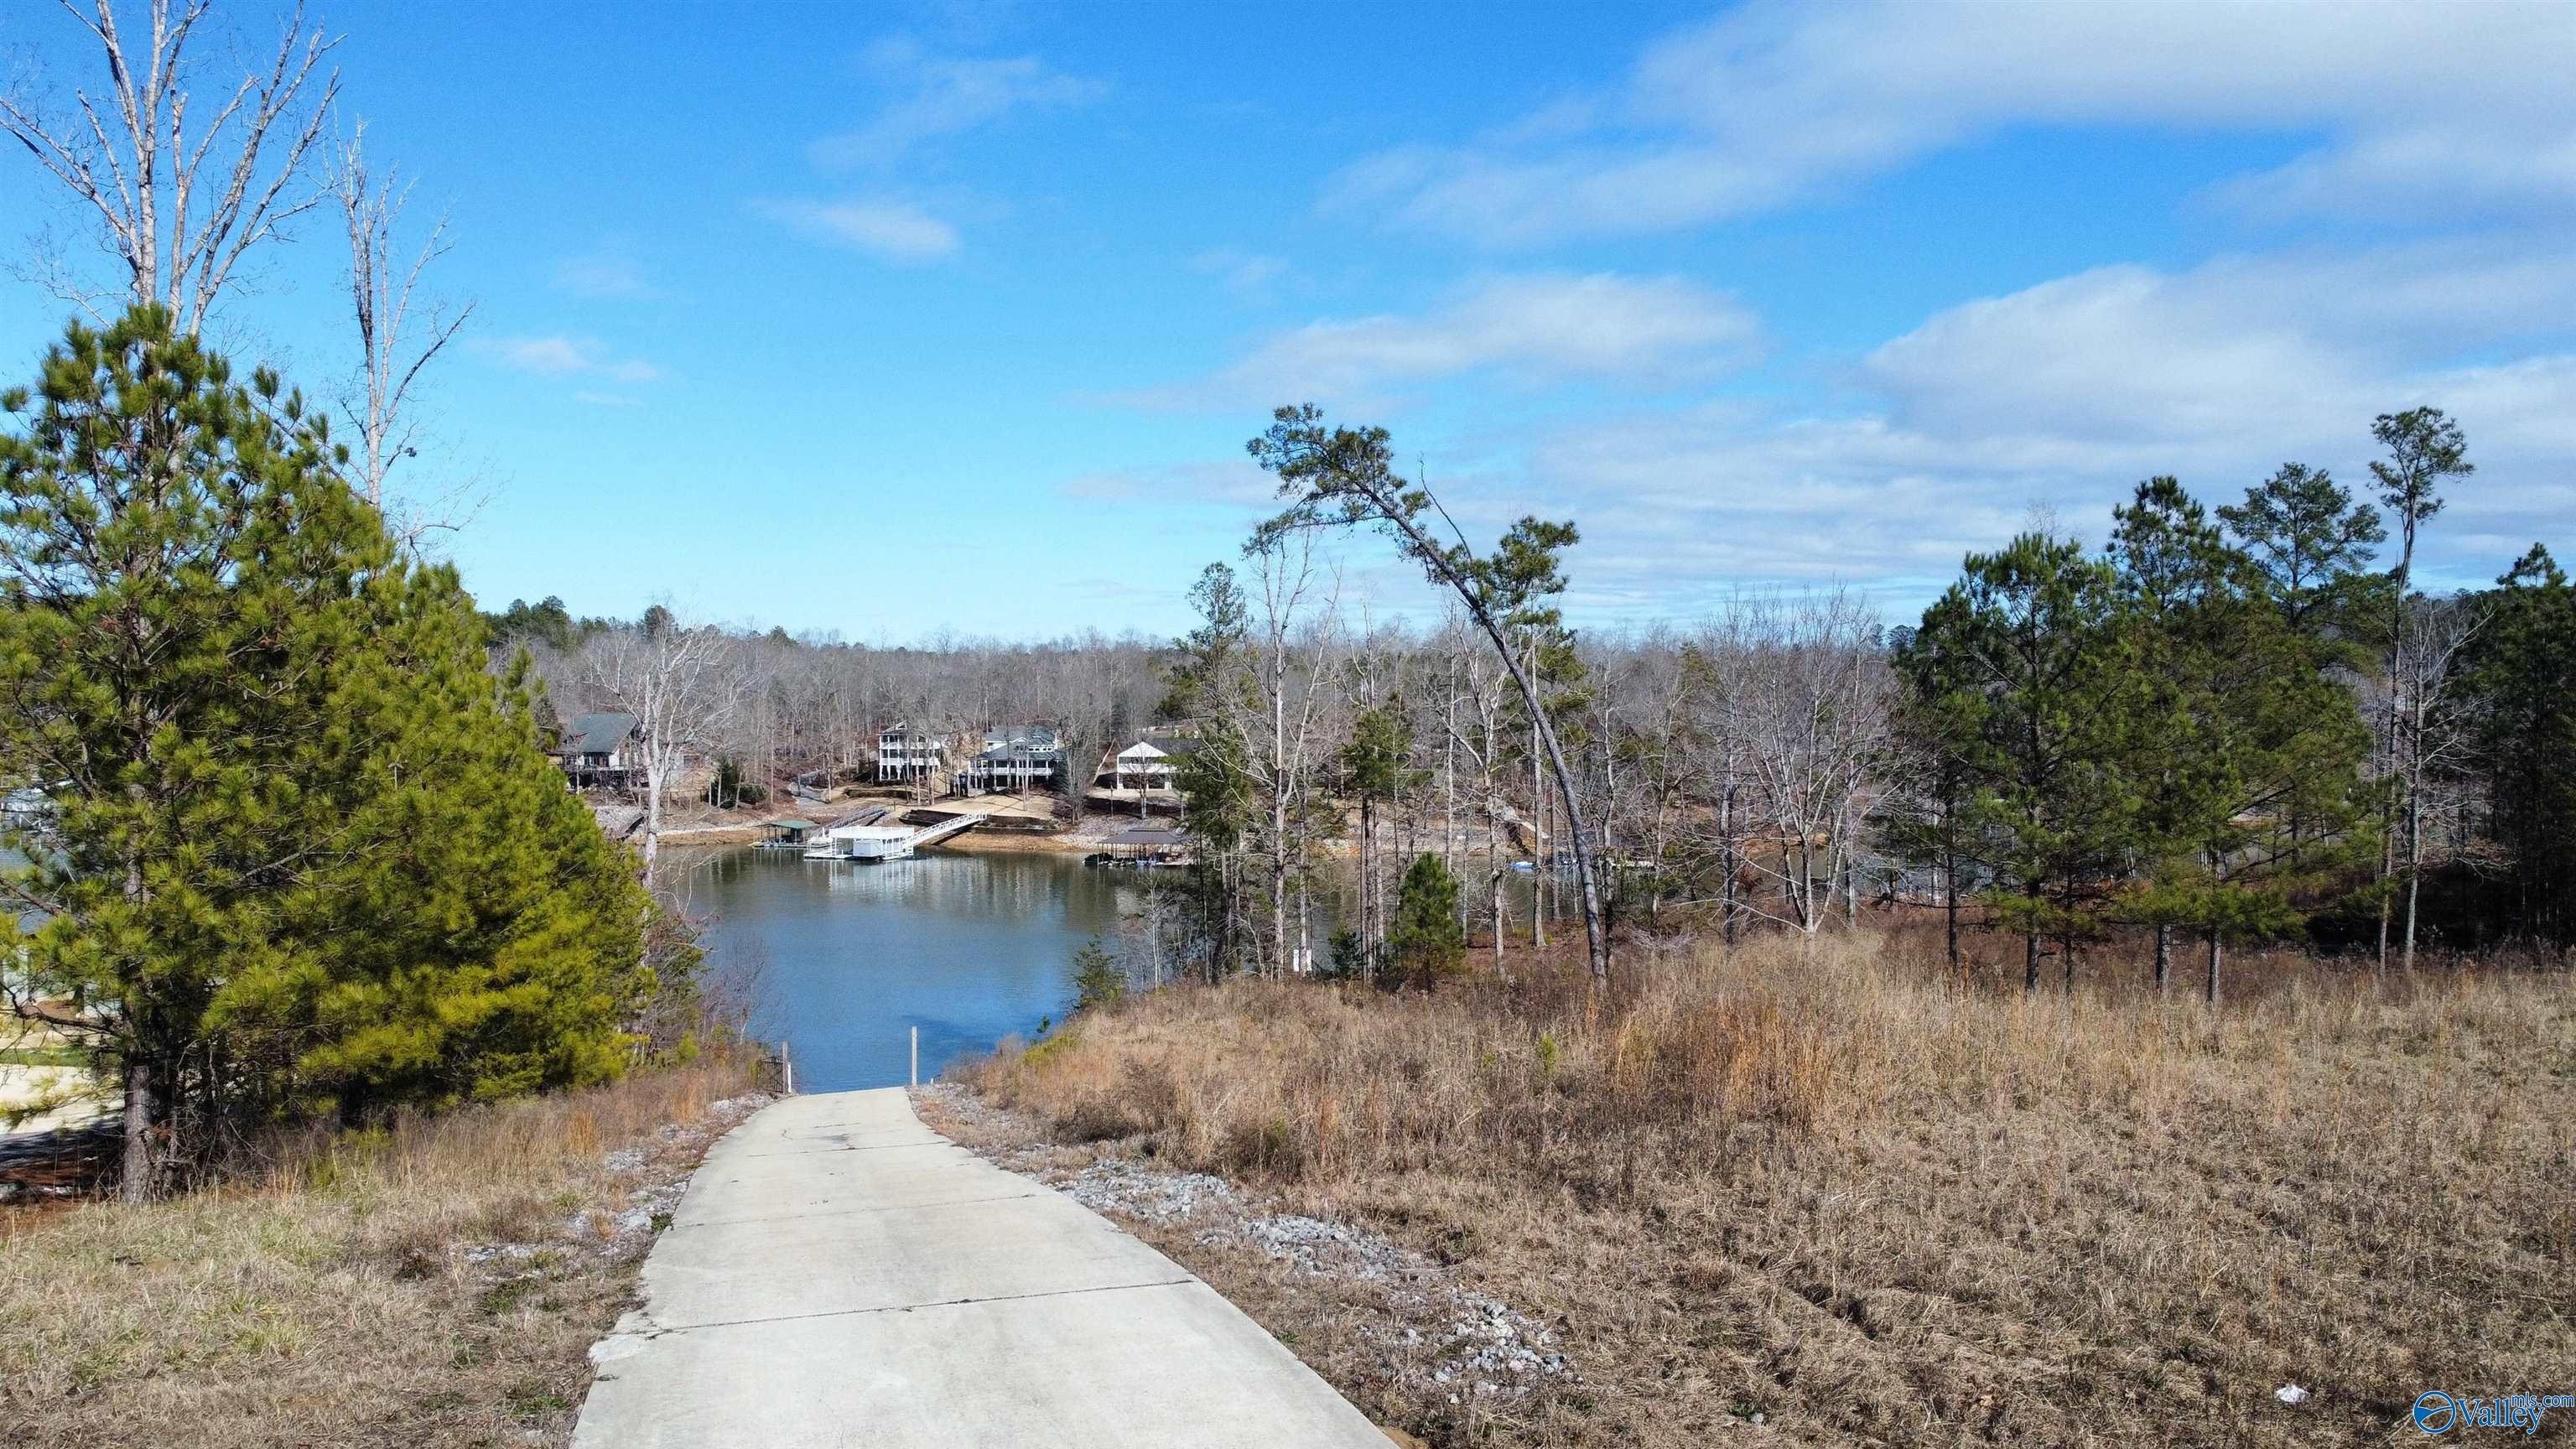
point(485, 938)
point(2021, 664)
point(1214, 777)
point(1426, 941)
point(1098, 979)
point(298, 849)
point(2246, 754)
point(2521, 680)
point(1937, 742)
point(2311, 548)
point(1373, 769)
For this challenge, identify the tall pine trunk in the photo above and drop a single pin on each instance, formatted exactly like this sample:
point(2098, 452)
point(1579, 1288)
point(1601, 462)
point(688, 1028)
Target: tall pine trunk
point(2400, 770)
point(141, 1104)
point(1278, 807)
point(135, 1180)
point(1368, 887)
point(1950, 906)
point(1538, 847)
point(2387, 870)
point(2030, 946)
point(2414, 821)
point(1726, 848)
point(2414, 867)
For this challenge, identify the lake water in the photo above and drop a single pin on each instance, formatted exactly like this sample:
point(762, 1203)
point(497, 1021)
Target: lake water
point(968, 947)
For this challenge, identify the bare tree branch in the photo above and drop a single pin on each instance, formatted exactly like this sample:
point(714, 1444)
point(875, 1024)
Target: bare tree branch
point(394, 345)
point(250, 154)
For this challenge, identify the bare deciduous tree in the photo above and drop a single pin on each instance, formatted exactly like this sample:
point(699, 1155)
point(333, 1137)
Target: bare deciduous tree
point(180, 207)
point(1289, 689)
point(1817, 707)
point(684, 685)
point(395, 342)
point(1484, 736)
point(2433, 635)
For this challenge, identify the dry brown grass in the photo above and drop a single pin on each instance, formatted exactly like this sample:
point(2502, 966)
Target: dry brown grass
point(332, 1298)
point(1873, 1205)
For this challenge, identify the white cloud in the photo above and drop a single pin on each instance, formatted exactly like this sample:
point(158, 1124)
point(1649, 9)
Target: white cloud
point(554, 355)
point(562, 356)
point(1529, 328)
point(1240, 271)
point(941, 96)
point(2063, 395)
point(1234, 482)
point(1773, 103)
point(894, 230)
point(2279, 351)
point(606, 275)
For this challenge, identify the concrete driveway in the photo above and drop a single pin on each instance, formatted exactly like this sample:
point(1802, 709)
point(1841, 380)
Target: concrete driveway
point(840, 1275)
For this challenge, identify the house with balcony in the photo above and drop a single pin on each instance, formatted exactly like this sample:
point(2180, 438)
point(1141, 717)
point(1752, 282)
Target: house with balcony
point(1014, 758)
point(908, 752)
point(603, 749)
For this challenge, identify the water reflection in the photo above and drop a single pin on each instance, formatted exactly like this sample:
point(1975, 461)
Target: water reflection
point(969, 948)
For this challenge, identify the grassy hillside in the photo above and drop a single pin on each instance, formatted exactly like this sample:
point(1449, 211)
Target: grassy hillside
point(1841, 1192)
point(439, 1283)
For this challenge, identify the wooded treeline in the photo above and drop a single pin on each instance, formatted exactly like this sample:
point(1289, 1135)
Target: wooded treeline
point(2233, 725)
point(2248, 725)
point(807, 705)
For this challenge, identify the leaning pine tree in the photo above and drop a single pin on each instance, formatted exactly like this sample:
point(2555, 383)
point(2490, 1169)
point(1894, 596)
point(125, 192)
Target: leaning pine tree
point(1336, 477)
point(287, 846)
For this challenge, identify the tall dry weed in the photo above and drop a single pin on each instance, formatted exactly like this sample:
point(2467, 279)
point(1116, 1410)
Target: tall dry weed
point(327, 1295)
point(1874, 1198)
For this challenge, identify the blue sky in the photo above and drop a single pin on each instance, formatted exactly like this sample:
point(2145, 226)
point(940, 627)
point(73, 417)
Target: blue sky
point(886, 321)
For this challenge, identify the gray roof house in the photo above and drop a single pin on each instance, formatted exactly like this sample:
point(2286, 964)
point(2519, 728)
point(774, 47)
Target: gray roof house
point(600, 749)
point(1013, 758)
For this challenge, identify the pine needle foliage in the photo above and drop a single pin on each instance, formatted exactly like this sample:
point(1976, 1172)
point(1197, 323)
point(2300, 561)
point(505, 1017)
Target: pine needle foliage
point(1098, 978)
point(1426, 941)
point(288, 845)
point(2522, 690)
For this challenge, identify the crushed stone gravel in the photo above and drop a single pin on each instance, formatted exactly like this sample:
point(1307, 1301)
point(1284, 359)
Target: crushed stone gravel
point(1436, 1330)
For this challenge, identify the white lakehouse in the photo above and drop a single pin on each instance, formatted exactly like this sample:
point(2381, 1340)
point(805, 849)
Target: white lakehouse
point(1149, 763)
point(907, 751)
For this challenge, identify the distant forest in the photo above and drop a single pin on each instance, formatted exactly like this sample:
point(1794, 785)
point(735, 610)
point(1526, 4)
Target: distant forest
point(2240, 724)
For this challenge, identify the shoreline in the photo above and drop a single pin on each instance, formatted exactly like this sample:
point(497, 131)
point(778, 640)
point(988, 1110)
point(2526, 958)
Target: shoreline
point(1086, 836)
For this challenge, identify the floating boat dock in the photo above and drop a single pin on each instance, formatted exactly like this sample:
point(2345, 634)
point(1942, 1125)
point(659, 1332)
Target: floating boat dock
point(869, 838)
